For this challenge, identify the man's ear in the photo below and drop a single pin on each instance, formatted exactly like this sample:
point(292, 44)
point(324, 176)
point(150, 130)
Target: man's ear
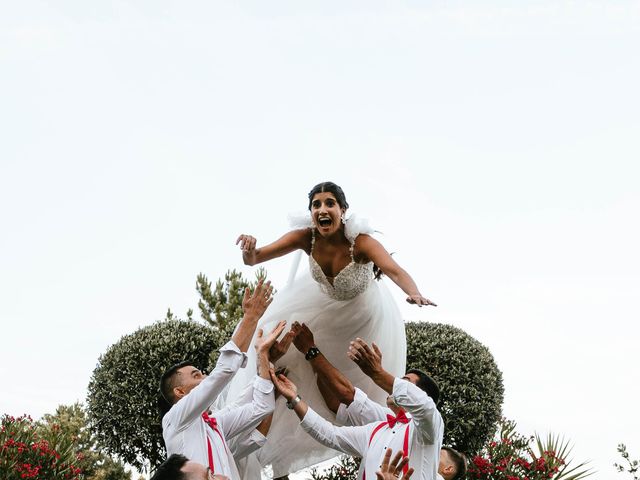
point(448, 470)
point(179, 392)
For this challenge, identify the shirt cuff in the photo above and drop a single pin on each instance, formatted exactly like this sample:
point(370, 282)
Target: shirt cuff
point(258, 438)
point(263, 385)
point(342, 415)
point(400, 386)
point(230, 348)
point(310, 419)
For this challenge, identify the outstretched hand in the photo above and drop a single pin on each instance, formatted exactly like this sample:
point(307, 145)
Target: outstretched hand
point(248, 247)
point(283, 385)
point(419, 300)
point(264, 344)
point(303, 337)
point(391, 469)
point(256, 303)
point(280, 347)
point(367, 358)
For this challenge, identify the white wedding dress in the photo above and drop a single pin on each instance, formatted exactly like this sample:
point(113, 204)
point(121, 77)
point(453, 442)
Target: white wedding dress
point(353, 305)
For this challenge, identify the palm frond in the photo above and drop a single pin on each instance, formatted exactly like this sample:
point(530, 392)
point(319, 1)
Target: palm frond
point(561, 448)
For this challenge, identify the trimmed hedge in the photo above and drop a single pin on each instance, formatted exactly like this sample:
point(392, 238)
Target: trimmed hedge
point(470, 382)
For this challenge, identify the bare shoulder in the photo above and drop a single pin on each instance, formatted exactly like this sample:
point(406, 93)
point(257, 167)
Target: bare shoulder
point(365, 247)
point(301, 238)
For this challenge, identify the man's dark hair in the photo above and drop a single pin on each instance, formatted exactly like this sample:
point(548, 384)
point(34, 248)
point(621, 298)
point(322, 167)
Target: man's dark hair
point(170, 468)
point(426, 383)
point(168, 381)
point(459, 461)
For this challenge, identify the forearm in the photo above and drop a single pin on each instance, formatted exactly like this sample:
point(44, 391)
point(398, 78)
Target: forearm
point(265, 425)
point(244, 333)
point(263, 364)
point(401, 278)
point(339, 385)
point(383, 379)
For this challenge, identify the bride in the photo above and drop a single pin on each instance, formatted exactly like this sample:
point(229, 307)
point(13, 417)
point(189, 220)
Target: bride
point(339, 301)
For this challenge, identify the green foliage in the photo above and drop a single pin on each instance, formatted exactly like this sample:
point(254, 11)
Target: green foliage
point(71, 422)
point(123, 392)
point(470, 381)
point(631, 466)
point(511, 456)
point(26, 453)
point(346, 468)
point(221, 306)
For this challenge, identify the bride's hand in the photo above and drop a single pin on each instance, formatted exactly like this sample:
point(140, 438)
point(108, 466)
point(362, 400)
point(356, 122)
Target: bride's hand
point(419, 300)
point(248, 247)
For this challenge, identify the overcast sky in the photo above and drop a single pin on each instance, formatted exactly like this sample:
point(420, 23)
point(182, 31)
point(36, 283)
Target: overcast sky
point(495, 144)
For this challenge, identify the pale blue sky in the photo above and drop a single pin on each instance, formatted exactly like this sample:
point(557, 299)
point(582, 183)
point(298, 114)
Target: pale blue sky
point(495, 144)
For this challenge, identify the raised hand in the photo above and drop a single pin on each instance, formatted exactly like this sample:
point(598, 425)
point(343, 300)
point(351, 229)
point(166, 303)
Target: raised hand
point(368, 359)
point(279, 348)
point(283, 385)
point(391, 469)
point(254, 304)
point(303, 337)
point(263, 344)
point(419, 300)
point(248, 247)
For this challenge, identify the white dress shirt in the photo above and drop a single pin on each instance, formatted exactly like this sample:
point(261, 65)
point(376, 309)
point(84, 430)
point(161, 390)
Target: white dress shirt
point(361, 410)
point(185, 432)
point(425, 430)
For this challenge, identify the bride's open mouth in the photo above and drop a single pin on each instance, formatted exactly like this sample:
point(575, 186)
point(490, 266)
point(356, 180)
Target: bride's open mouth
point(324, 222)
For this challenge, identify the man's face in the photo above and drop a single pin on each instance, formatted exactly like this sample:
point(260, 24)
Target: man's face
point(195, 471)
point(188, 378)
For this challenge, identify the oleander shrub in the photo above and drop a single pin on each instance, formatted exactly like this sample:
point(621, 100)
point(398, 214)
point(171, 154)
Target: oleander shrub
point(471, 388)
point(512, 456)
point(28, 452)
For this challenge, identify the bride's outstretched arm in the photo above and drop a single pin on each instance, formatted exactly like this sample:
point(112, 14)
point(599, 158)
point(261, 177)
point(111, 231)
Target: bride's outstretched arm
point(289, 242)
point(374, 251)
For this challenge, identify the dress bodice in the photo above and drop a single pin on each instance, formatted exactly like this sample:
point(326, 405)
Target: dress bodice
point(351, 281)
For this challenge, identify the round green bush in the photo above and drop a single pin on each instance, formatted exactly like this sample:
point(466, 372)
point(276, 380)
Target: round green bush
point(471, 388)
point(123, 391)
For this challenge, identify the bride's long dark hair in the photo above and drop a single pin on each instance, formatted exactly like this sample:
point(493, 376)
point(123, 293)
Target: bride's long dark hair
point(336, 190)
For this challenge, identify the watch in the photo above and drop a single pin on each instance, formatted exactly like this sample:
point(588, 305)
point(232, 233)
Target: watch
point(312, 353)
point(294, 402)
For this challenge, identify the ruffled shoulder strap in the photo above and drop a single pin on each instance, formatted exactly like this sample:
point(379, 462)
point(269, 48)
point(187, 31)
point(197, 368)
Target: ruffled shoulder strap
point(298, 220)
point(355, 225)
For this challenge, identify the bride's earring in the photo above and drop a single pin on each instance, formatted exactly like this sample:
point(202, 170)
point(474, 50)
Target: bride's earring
point(342, 219)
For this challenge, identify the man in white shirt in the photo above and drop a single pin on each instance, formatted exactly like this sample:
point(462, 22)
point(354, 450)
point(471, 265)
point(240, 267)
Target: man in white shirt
point(415, 429)
point(354, 408)
point(188, 428)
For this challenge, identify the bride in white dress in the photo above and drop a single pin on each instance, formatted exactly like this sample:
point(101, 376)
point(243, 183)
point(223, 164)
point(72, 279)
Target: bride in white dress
point(339, 301)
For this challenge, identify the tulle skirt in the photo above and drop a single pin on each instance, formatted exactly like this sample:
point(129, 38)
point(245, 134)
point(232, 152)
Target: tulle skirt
point(373, 316)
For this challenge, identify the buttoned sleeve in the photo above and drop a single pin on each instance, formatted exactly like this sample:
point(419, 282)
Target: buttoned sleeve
point(247, 416)
point(246, 443)
point(349, 440)
point(422, 408)
point(190, 407)
point(361, 411)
